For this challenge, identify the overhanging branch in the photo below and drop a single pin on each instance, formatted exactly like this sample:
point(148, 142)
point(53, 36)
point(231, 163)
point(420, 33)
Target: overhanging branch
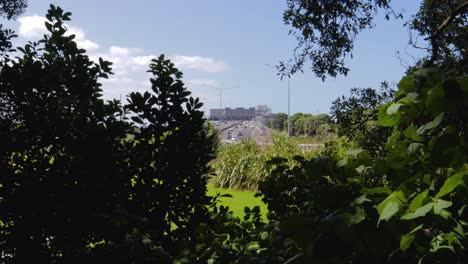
point(457, 11)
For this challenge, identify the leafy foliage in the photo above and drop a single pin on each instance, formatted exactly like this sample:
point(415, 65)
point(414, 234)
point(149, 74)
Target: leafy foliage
point(74, 187)
point(320, 127)
point(228, 239)
point(279, 121)
point(12, 8)
point(325, 31)
point(406, 206)
point(356, 117)
point(443, 23)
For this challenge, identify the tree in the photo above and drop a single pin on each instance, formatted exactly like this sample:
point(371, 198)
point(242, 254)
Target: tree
point(279, 121)
point(12, 8)
point(443, 24)
point(79, 181)
point(356, 117)
point(325, 31)
point(168, 166)
point(9, 9)
point(408, 206)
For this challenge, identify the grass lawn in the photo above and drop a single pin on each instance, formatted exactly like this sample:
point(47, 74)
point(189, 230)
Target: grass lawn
point(239, 200)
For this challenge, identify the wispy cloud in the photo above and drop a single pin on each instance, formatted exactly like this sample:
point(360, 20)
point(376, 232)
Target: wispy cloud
point(200, 63)
point(130, 64)
point(33, 27)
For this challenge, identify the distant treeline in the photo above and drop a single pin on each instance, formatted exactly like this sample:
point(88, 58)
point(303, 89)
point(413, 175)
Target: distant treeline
point(304, 125)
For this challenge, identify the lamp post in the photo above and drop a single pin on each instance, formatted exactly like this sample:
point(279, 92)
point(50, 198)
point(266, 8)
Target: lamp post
point(220, 95)
point(289, 93)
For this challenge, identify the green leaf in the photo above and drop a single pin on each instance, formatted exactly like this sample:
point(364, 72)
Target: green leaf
point(449, 185)
point(393, 109)
point(253, 247)
point(388, 210)
point(411, 133)
point(436, 101)
point(421, 211)
point(412, 97)
point(407, 239)
point(378, 190)
point(417, 202)
point(393, 139)
point(398, 157)
point(439, 205)
point(341, 163)
point(264, 235)
point(390, 206)
point(406, 84)
point(359, 216)
point(386, 120)
point(434, 123)
point(405, 242)
point(361, 199)
point(413, 148)
point(353, 152)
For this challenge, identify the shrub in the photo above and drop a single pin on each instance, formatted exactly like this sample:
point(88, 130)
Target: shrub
point(404, 207)
point(74, 187)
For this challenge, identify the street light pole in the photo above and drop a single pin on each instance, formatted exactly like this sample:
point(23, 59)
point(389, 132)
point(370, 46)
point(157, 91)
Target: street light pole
point(220, 96)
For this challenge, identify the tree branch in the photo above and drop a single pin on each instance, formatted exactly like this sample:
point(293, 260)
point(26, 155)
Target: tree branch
point(459, 10)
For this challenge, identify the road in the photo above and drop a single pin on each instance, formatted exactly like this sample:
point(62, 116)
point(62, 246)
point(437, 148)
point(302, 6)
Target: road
point(235, 131)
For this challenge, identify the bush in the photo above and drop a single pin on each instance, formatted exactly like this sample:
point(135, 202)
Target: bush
point(404, 207)
point(74, 187)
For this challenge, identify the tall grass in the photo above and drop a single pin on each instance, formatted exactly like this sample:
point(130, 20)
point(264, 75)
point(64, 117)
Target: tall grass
point(244, 165)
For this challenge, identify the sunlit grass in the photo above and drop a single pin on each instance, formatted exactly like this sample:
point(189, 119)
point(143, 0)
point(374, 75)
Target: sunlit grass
point(239, 200)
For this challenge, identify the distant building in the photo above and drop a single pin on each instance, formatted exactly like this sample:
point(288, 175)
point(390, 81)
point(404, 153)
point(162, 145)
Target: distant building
point(238, 113)
point(216, 114)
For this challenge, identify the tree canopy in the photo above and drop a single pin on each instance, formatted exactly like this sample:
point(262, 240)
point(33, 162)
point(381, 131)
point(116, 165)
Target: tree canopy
point(326, 30)
point(83, 180)
point(12, 8)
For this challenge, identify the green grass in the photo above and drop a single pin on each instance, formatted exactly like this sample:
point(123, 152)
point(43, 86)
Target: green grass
point(239, 200)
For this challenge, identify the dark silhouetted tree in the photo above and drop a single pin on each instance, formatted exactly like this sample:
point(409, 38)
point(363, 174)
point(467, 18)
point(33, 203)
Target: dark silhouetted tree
point(79, 182)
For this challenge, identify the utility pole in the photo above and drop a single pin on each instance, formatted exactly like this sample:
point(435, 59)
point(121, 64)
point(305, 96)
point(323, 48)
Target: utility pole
point(220, 96)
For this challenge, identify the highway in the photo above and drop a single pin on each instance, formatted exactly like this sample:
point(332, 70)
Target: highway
point(235, 131)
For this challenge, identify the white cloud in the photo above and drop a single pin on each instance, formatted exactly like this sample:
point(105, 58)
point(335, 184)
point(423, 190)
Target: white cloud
point(80, 38)
point(130, 64)
point(33, 27)
point(199, 63)
point(142, 60)
point(123, 51)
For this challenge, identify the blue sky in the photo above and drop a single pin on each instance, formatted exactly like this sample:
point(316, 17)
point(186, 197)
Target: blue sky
point(221, 44)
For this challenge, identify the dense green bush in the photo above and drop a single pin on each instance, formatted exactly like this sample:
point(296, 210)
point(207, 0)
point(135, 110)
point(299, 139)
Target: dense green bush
point(356, 117)
point(74, 186)
point(404, 207)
